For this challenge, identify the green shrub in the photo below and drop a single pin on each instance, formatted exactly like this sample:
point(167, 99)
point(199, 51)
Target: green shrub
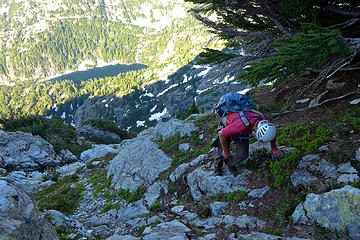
point(304, 137)
point(281, 170)
point(233, 197)
point(54, 131)
point(281, 212)
point(63, 196)
point(154, 206)
point(192, 110)
point(309, 49)
point(214, 56)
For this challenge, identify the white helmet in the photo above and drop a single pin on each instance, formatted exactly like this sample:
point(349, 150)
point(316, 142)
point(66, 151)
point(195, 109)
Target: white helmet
point(266, 131)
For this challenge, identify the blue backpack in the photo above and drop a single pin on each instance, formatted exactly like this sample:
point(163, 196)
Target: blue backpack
point(236, 102)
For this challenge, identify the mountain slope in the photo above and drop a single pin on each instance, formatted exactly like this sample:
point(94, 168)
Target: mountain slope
point(40, 39)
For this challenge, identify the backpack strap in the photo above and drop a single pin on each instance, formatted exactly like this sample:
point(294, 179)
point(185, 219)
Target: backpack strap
point(244, 117)
point(224, 121)
point(257, 112)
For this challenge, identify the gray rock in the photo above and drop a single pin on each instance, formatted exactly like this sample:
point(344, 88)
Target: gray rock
point(198, 160)
point(259, 193)
point(154, 191)
point(129, 212)
point(180, 170)
point(201, 181)
point(218, 208)
point(125, 237)
point(68, 156)
point(103, 230)
point(257, 146)
point(169, 230)
point(331, 84)
point(168, 129)
point(355, 101)
point(210, 236)
point(317, 100)
point(347, 168)
point(337, 209)
point(98, 135)
point(258, 236)
point(184, 147)
point(194, 117)
point(302, 178)
point(57, 218)
point(138, 163)
point(177, 209)
point(3, 171)
point(323, 148)
point(347, 178)
point(23, 151)
point(357, 155)
point(296, 238)
point(327, 169)
point(70, 169)
point(19, 216)
point(244, 222)
point(299, 215)
point(98, 151)
point(307, 160)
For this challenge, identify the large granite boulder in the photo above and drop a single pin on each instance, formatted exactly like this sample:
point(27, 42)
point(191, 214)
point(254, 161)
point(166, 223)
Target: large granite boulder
point(337, 210)
point(168, 230)
point(98, 151)
point(205, 182)
point(23, 151)
point(168, 129)
point(19, 217)
point(138, 163)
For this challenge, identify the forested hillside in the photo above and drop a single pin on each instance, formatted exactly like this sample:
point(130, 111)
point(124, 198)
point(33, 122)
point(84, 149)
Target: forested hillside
point(40, 39)
point(43, 39)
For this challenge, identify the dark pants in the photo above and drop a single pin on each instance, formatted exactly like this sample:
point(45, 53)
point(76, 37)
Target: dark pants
point(241, 153)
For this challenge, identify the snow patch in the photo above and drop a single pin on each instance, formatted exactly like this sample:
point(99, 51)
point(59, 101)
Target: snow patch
point(63, 116)
point(170, 87)
point(244, 91)
point(201, 91)
point(157, 116)
point(147, 94)
point(185, 78)
point(204, 72)
point(153, 109)
point(140, 123)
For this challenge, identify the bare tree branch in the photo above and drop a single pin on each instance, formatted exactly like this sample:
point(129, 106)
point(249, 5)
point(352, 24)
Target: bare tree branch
point(226, 30)
point(345, 24)
point(272, 17)
point(342, 11)
point(314, 106)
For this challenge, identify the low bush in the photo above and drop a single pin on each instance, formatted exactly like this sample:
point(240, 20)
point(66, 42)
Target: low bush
point(63, 196)
point(54, 131)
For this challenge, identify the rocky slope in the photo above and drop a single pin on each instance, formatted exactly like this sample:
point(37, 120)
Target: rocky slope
point(152, 188)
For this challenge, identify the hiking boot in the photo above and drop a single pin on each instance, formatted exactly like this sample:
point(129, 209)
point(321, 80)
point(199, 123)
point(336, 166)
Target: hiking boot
point(233, 170)
point(218, 171)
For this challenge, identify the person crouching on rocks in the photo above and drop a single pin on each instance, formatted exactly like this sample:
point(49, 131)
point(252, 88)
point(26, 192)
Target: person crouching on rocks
point(240, 127)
